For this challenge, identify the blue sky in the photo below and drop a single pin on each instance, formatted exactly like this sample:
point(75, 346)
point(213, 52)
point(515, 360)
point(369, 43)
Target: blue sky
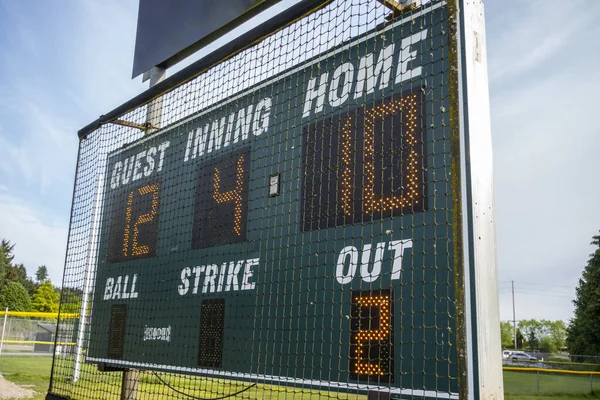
point(64, 63)
point(543, 85)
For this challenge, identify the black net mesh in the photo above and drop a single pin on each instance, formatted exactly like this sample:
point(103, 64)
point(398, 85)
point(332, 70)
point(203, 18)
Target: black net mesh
point(283, 227)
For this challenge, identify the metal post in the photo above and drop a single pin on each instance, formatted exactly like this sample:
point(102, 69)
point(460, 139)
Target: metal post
point(591, 384)
point(538, 382)
point(91, 262)
point(3, 329)
point(154, 113)
point(8, 330)
point(129, 388)
point(514, 318)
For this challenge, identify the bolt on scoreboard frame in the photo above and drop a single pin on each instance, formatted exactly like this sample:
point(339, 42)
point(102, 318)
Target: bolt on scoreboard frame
point(329, 226)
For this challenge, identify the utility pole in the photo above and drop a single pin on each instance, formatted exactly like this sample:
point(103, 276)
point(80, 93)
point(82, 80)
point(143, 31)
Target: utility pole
point(514, 318)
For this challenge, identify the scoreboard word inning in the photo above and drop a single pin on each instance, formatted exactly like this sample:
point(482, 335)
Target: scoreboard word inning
point(303, 222)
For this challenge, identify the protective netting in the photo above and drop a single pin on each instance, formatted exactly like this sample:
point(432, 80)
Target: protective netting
point(284, 228)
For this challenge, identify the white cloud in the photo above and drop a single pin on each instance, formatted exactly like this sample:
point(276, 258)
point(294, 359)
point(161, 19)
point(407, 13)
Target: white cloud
point(66, 68)
point(88, 74)
point(42, 156)
point(39, 238)
point(545, 150)
point(533, 32)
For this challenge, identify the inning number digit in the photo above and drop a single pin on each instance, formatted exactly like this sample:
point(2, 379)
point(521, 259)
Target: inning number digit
point(234, 195)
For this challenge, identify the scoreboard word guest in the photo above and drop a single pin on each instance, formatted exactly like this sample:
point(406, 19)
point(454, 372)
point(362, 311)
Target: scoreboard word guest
point(297, 232)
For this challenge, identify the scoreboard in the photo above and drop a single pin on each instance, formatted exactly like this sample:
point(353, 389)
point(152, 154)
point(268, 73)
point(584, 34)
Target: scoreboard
point(298, 232)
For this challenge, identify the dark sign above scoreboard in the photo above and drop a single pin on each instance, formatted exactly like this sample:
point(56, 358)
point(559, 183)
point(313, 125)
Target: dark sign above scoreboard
point(196, 241)
point(170, 31)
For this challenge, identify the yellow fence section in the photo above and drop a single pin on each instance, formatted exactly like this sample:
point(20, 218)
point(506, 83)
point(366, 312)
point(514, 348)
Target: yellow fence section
point(37, 342)
point(35, 332)
point(35, 314)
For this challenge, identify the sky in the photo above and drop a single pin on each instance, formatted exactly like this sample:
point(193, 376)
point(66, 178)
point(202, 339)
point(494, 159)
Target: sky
point(66, 62)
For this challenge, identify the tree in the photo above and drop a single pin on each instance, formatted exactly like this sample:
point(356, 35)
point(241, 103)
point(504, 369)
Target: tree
point(544, 335)
point(42, 274)
point(45, 298)
point(532, 331)
point(547, 345)
point(557, 330)
point(583, 335)
point(70, 308)
point(70, 300)
point(507, 334)
point(520, 339)
point(6, 258)
point(18, 273)
point(15, 297)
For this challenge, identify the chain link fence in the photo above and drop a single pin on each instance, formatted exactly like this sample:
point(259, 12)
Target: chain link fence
point(34, 333)
point(549, 374)
point(540, 381)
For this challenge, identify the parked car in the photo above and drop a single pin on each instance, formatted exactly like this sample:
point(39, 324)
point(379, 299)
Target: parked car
point(506, 354)
point(520, 356)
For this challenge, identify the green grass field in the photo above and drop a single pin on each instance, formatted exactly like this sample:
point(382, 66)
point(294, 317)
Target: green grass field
point(31, 372)
point(523, 386)
point(34, 373)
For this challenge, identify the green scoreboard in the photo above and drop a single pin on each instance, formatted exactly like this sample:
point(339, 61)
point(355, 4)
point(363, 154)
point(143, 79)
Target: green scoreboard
point(299, 232)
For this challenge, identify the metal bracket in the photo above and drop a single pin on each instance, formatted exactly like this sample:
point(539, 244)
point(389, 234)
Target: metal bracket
point(399, 7)
point(104, 367)
point(143, 127)
point(373, 395)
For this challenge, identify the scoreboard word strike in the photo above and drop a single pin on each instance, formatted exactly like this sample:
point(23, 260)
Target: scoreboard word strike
point(205, 267)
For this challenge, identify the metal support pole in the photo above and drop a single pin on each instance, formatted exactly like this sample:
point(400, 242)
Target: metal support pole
point(3, 329)
point(154, 113)
point(129, 386)
point(514, 318)
point(9, 329)
point(89, 273)
point(538, 382)
point(131, 377)
point(591, 384)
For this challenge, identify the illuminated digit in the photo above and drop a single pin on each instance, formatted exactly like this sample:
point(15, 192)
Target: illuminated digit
point(410, 194)
point(127, 224)
point(411, 191)
point(234, 195)
point(347, 168)
point(363, 336)
point(137, 250)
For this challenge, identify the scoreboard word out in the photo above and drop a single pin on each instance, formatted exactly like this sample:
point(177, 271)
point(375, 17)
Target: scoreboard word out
point(221, 235)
